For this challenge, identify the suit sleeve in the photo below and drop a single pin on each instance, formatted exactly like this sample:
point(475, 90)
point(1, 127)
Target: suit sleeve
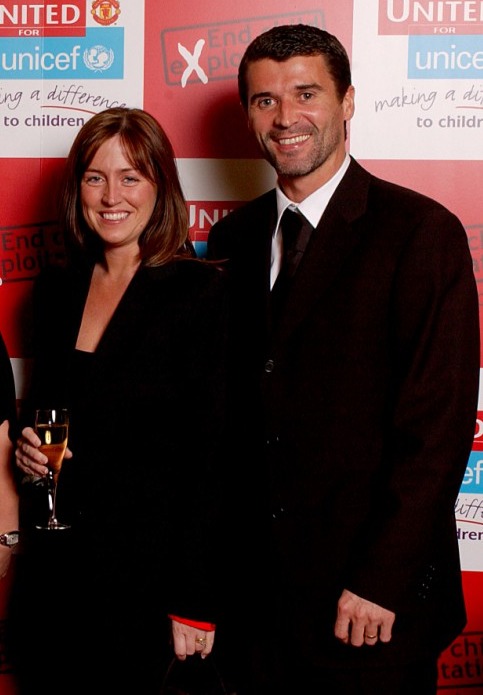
point(435, 343)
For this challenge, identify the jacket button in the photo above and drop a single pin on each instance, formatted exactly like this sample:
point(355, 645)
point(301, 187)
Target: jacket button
point(278, 513)
point(269, 366)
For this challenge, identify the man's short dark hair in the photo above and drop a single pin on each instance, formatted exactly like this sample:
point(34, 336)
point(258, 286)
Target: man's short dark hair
point(287, 41)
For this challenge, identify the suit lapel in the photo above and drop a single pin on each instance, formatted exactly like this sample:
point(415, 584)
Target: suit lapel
point(336, 236)
point(137, 309)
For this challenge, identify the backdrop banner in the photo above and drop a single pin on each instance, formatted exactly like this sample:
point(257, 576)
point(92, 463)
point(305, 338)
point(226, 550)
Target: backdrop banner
point(418, 75)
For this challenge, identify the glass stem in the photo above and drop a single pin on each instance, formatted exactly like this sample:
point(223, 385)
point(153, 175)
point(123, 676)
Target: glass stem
point(52, 490)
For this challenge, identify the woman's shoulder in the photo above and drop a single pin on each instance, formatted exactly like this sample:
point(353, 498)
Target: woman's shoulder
point(52, 272)
point(190, 280)
point(208, 276)
point(62, 272)
point(60, 280)
point(190, 271)
point(200, 267)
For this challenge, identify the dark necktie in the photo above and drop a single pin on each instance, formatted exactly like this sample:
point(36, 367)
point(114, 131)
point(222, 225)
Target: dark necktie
point(296, 230)
point(291, 224)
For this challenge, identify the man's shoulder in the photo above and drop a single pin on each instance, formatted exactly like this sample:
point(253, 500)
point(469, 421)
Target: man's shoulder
point(257, 208)
point(393, 191)
point(242, 227)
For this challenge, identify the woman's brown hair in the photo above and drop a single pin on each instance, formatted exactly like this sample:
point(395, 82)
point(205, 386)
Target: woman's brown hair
point(149, 150)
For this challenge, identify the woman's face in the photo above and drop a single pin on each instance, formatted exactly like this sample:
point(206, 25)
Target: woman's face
point(117, 200)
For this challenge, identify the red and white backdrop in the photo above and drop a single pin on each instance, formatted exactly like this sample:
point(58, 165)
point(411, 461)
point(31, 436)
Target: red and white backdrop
point(418, 73)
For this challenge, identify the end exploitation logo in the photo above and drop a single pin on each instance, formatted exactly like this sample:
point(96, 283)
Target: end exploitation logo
point(206, 52)
point(26, 249)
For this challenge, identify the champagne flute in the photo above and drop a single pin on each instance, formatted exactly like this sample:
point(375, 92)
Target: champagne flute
point(52, 427)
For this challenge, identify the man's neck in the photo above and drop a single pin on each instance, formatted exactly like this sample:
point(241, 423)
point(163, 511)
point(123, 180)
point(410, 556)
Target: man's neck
point(297, 188)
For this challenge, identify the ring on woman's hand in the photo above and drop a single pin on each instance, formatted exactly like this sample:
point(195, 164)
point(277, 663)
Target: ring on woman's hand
point(370, 636)
point(201, 640)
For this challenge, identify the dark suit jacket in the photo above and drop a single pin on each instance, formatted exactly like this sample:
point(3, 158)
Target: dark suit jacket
point(363, 401)
point(146, 417)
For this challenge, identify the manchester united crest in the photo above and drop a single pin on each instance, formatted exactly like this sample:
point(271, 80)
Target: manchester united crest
point(105, 12)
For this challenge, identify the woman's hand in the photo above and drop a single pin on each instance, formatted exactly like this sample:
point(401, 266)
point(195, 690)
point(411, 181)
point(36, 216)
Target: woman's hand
point(28, 456)
point(189, 640)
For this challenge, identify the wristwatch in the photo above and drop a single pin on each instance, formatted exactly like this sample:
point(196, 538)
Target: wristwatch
point(9, 539)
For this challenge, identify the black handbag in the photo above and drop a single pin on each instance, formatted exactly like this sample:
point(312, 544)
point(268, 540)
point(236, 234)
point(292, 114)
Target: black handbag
point(194, 676)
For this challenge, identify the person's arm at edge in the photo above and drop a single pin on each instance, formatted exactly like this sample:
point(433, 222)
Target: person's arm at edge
point(9, 496)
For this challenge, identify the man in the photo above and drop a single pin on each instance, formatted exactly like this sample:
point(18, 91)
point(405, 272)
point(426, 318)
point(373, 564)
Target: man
point(356, 391)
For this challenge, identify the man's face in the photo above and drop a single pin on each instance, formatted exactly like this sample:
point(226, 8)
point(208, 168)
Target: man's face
point(297, 117)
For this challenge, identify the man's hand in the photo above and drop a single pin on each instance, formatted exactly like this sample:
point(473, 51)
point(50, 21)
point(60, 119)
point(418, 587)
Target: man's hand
point(362, 622)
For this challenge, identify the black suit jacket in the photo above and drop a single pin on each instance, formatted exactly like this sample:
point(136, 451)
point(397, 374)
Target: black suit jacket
point(363, 401)
point(146, 418)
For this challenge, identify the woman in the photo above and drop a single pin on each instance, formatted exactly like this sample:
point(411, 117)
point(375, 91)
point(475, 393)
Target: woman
point(9, 496)
point(130, 337)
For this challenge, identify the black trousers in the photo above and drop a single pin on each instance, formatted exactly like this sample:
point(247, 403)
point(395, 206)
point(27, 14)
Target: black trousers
point(412, 679)
point(418, 678)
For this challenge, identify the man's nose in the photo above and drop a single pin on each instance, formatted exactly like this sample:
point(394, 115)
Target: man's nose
point(287, 113)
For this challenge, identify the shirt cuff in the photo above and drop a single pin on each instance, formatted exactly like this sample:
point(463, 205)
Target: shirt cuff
point(208, 627)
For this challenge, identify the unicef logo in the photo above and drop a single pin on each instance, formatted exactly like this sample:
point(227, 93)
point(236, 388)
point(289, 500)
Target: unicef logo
point(98, 58)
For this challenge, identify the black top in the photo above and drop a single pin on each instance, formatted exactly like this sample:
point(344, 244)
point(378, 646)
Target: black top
point(146, 410)
point(7, 390)
point(146, 417)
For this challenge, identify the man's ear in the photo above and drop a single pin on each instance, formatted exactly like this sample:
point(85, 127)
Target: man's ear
point(348, 103)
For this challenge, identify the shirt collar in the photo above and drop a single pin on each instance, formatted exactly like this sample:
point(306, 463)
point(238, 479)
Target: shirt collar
point(314, 205)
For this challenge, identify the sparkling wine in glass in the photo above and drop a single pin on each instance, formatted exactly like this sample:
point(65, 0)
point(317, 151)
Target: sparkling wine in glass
point(52, 426)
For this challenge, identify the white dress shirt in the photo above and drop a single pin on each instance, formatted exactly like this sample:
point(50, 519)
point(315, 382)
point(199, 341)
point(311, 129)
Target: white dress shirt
point(311, 207)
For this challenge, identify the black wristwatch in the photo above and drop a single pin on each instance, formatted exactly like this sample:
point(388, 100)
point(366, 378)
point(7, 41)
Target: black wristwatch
point(9, 539)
